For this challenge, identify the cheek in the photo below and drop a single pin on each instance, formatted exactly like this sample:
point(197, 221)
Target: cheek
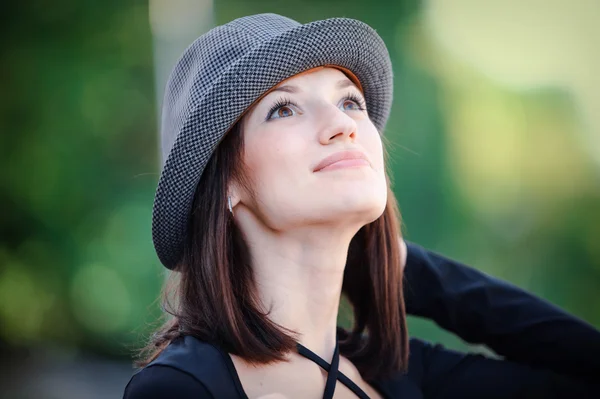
point(274, 157)
point(278, 170)
point(371, 142)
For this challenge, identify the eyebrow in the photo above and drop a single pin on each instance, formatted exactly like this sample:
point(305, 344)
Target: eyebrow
point(342, 84)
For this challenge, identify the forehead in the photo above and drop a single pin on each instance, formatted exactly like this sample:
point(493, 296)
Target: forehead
point(316, 75)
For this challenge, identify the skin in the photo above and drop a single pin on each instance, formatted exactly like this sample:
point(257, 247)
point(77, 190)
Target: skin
point(298, 223)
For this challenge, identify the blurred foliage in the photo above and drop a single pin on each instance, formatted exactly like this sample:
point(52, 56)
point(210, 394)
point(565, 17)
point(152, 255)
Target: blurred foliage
point(493, 175)
point(78, 165)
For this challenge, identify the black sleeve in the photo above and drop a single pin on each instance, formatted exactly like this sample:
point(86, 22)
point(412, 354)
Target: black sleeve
point(164, 382)
point(484, 310)
point(443, 373)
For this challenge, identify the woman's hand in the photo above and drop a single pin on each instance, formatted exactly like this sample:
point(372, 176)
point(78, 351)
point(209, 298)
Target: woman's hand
point(403, 252)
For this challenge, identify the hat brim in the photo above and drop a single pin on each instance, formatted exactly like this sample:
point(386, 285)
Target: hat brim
point(343, 42)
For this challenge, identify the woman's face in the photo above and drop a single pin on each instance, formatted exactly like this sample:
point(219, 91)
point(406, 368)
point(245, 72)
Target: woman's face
point(289, 135)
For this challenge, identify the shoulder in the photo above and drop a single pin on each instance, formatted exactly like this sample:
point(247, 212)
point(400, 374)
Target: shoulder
point(187, 367)
point(410, 383)
point(192, 355)
point(156, 382)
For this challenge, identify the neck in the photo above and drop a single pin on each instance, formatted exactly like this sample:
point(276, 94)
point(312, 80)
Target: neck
point(299, 277)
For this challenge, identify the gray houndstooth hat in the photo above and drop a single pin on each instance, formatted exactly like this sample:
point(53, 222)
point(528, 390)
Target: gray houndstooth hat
point(223, 72)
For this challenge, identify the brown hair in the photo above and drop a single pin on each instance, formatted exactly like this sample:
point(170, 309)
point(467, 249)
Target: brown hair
point(212, 295)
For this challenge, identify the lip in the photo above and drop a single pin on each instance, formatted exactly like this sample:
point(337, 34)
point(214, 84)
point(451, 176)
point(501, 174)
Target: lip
point(342, 156)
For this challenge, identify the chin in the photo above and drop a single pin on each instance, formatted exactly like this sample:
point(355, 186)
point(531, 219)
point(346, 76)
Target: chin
point(340, 201)
point(374, 212)
point(364, 207)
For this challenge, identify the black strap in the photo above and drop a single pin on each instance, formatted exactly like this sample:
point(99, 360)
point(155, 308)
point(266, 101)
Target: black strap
point(332, 376)
point(333, 373)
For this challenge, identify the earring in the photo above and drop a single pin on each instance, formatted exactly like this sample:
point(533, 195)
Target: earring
point(229, 205)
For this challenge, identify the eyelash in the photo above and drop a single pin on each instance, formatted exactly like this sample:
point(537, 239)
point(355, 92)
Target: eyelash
point(281, 102)
point(284, 102)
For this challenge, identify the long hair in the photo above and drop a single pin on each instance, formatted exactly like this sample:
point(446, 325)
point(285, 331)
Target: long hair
point(212, 295)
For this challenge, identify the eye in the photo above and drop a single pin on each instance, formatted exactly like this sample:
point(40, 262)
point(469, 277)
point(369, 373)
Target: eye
point(353, 102)
point(282, 112)
point(349, 105)
point(283, 108)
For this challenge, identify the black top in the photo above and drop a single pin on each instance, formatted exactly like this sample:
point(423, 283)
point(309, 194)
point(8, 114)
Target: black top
point(547, 352)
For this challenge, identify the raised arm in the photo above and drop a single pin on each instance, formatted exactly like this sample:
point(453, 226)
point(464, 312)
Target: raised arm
point(515, 324)
point(443, 374)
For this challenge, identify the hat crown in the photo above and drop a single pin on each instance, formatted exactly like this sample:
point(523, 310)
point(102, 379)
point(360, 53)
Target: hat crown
point(263, 26)
point(205, 60)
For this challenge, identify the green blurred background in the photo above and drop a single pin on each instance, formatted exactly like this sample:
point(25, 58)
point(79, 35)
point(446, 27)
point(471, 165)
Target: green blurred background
point(494, 141)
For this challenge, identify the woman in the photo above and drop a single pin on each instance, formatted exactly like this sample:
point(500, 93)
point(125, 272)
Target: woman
point(274, 200)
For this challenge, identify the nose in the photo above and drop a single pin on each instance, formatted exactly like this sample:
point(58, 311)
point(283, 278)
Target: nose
point(336, 126)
